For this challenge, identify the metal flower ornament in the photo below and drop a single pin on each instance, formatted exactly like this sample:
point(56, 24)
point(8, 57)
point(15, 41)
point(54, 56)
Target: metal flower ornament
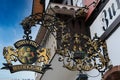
point(27, 52)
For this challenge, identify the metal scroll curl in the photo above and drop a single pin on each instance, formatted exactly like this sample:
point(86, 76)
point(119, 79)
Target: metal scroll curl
point(79, 52)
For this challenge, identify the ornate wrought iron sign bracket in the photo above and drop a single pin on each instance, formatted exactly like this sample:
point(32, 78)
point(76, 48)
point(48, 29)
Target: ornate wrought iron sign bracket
point(78, 52)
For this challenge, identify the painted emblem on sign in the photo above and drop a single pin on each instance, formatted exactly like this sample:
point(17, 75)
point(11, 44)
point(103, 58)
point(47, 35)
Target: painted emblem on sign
point(27, 52)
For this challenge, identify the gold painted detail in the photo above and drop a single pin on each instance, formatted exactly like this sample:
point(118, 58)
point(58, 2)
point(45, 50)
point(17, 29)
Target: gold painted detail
point(16, 68)
point(10, 54)
point(92, 53)
point(27, 52)
point(43, 55)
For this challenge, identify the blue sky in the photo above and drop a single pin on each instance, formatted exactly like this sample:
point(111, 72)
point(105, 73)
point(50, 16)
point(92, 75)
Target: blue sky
point(12, 12)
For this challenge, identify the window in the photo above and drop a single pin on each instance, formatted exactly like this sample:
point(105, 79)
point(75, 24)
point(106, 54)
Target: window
point(78, 3)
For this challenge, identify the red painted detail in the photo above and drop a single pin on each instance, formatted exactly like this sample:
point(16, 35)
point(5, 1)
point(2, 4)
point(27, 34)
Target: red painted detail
point(90, 8)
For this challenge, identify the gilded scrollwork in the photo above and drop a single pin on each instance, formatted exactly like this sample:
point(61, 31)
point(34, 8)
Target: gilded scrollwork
point(83, 53)
point(77, 51)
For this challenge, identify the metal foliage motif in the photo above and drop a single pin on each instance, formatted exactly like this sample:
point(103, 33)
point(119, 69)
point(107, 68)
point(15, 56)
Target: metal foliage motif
point(44, 19)
point(79, 52)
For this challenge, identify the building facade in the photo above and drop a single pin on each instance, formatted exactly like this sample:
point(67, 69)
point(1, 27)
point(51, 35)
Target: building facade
point(102, 17)
point(108, 29)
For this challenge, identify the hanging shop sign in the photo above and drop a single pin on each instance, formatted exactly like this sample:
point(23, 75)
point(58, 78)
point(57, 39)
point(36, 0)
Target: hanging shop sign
point(27, 52)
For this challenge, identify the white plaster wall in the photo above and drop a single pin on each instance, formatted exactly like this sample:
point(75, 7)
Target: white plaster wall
point(58, 72)
point(113, 45)
point(96, 27)
point(51, 44)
